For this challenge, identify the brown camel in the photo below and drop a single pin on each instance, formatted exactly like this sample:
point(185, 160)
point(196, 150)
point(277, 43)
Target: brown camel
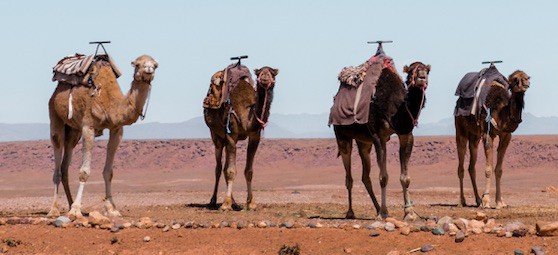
point(250, 115)
point(93, 111)
point(394, 110)
point(505, 111)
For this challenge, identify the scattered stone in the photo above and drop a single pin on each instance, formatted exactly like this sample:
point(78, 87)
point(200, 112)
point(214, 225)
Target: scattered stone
point(61, 220)
point(233, 224)
point(518, 252)
point(480, 216)
point(374, 234)
point(114, 229)
point(356, 226)
point(509, 234)
point(106, 226)
point(224, 224)
point(314, 224)
point(271, 224)
point(489, 226)
point(145, 222)
point(204, 224)
point(180, 233)
point(405, 231)
point(438, 232)
point(424, 229)
point(444, 220)
point(531, 230)
point(396, 223)
point(81, 222)
point(176, 226)
point(189, 224)
point(27, 220)
point(160, 225)
point(537, 250)
point(431, 224)
point(96, 218)
point(289, 250)
point(452, 228)
point(389, 227)
point(510, 227)
point(475, 224)
point(166, 228)
point(114, 240)
point(241, 224)
point(501, 233)
point(434, 218)
point(550, 189)
point(262, 224)
point(459, 237)
point(520, 232)
point(461, 224)
point(426, 248)
point(126, 224)
point(2, 222)
point(147, 239)
point(374, 225)
point(547, 229)
point(288, 224)
point(347, 250)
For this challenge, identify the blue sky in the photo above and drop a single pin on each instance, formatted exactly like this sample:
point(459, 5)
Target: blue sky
point(309, 41)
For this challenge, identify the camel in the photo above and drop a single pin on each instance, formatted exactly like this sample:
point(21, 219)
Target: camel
point(395, 110)
point(250, 115)
point(505, 111)
point(93, 110)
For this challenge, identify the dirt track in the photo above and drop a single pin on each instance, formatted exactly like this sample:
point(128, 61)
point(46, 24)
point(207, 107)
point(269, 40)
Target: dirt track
point(295, 180)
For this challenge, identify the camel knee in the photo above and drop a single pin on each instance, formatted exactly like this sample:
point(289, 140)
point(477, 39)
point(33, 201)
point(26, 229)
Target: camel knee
point(83, 175)
point(383, 181)
point(488, 171)
point(349, 182)
point(248, 174)
point(405, 180)
point(366, 180)
point(107, 175)
point(230, 174)
point(56, 177)
point(461, 172)
point(498, 172)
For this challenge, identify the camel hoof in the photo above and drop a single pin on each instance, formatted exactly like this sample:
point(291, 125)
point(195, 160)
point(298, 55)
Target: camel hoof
point(501, 205)
point(410, 215)
point(53, 213)
point(485, 201)
point(227, 205)
point(74, 213)
point(113, 214)
point(251, 206)
point(350, 215)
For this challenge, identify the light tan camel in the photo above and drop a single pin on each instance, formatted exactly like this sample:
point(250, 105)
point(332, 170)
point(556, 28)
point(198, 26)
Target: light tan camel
point(506, 111)
point(249, 118)
point(94, 111)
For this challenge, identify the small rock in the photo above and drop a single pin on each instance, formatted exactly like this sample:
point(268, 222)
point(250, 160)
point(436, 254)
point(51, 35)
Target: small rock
point(2, 222)
point(271, 224)
point(426, 248)
point(374, 234)
point(180, 233)
point(396, 223)
point(176, 226)
point(61, 220)
point(13, 220)
point(537, 250)
point(476, 231)
point(374, 225)
point(315, 225)
point(147, 239)
point(501, 233)
point(405, 231)
point(480, 216)
point(510, 227)
point(509, 234)
point(438, 232)
point(189, 224)
point(145, 222)
point(394, 253)
point(347, 250)
point(520, 232)
point(106, 226)
point(461, 224)
point(241, 224)
point(81, 221)
point(166, 228)
point(489, 226)
point(518, 252)
point(444, 220)
point(160, 225)
point(288, 224)
point(356, 226)
point(431, 224)
point(233, 224)
point(224, 224)
point(475, 224)
point(114, 229)
point(96, 218)
point(126, 224)
point(389, 227)
point(114, 240)
point(262, 224)
point(459, 237)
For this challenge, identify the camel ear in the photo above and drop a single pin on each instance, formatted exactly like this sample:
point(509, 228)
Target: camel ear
point(428, 68)
point(134, 64)
point(275, 72)
point(257, 71)
point(406, 69)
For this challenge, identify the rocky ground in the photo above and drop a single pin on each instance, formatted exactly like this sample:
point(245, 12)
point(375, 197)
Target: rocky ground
point(162, 189)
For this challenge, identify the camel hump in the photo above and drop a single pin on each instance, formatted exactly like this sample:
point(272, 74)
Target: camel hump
point(243, 95)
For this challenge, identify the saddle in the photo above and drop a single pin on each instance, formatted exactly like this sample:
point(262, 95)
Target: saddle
point(223, 83)
point(76, 69)
point(357, 86)
point(473, 89)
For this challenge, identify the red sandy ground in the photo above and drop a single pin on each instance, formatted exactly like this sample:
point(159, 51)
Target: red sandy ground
point(297, 180)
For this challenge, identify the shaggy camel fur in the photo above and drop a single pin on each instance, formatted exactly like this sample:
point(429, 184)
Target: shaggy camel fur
point(249, 117)
point(395, 110)
point(506, 111)
point(94, 111)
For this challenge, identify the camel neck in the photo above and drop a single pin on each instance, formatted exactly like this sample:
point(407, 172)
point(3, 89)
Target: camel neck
point(263, 103)
point(136, 99)
point(516, 105)
point(415, 101)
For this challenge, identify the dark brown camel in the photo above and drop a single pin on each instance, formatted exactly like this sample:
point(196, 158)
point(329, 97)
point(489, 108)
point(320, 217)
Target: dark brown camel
point(395, 110)
point(506, 112)
point(251, 112)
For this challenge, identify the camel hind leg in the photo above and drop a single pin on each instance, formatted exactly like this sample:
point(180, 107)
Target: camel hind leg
point(488, 143)
point(461, 142)
point(114, 140)
point(57, 138)
point(219, 145)
point(364, 150)
point(345, 146)
point(253, 143)
point(230, 171)
point(473, 149)
point(406, 143)
point(71, 140)
point(502, 147)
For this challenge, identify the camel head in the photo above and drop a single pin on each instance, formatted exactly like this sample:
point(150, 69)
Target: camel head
point(519, 81)
point(417, 75)
point(144, 68)
point(266, 76)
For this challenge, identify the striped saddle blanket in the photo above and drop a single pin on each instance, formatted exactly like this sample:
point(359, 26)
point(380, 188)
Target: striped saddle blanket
point(75, 69)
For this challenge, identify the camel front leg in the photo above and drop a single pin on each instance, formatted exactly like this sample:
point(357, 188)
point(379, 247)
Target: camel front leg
point(72, 138)
point(114, 140)
point(57, 140)
point(345, 146)
point(381, 151)
point(502, 147)
point(88, 134)
point(488, 143)
point(406, 143)
point(219, 145)
point(364, 150)
point(253, 143)
point(461, 142)
point(230, 172)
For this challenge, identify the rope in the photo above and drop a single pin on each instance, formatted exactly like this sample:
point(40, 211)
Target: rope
point(142, 115)
point(488, 117)
point(415, 120)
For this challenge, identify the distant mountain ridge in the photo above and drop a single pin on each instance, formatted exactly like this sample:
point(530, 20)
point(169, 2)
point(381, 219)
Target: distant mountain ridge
point(280, 126)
